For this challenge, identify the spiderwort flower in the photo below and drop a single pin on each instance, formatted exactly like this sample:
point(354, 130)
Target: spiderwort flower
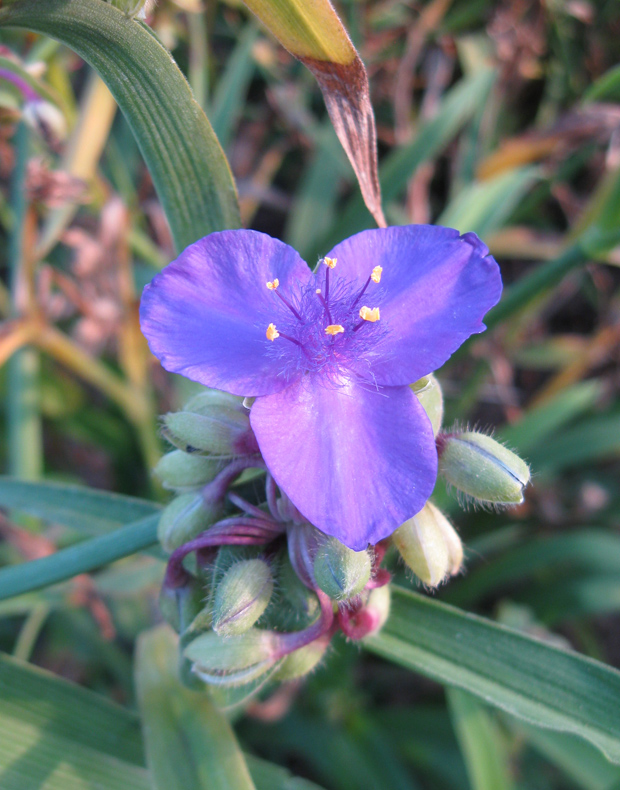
point(329, 357)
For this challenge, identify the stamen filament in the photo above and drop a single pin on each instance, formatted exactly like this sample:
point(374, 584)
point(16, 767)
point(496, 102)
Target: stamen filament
point(375, 277)
point(325, 305)
point(288, 304)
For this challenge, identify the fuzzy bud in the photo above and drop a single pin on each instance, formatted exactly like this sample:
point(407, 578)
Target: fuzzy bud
point(242, 596)
point(378, 606)
point(182, 472)
point(232, 660)
point(225, 432)
point(428, 392)
point(482, 468)
point(429, 545)
point(339, 571)
point(301, 662)
point(183, 519)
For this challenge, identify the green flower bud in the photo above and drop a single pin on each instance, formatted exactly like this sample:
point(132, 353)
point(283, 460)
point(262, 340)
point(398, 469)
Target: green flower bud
point(232, 660)
point(301, 662)
point(209, 401)
point(429, 545)
point(183, 519)
point(226, 432)
point(179, 471)
point(482, 468)
point(428, 392)
point(339, 571)
point(242, 596)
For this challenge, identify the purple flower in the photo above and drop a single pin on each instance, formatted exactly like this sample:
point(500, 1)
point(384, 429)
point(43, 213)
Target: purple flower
point(329, 356)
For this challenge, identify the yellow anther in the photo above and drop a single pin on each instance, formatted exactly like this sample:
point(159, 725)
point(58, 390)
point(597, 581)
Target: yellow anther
point(272, 332)
point(331, 262)
point(273, 284)
point(318, 291)
point(376, 274)
point(334, 329)
point(369, 314)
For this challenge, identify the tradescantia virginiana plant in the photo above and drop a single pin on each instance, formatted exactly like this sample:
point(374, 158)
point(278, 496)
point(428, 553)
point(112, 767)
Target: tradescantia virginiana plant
point(304, 471)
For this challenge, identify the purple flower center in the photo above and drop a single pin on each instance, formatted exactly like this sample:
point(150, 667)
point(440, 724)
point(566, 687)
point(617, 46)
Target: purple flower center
point(328, 327)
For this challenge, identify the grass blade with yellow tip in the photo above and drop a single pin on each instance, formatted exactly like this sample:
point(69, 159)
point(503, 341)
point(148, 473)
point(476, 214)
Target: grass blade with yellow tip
point(312, 31)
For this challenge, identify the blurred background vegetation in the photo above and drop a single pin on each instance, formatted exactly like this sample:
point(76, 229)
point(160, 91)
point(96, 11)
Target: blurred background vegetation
point(502, 118)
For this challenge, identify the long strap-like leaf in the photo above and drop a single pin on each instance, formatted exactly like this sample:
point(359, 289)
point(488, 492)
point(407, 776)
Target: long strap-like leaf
point(532, 680)
point(187, 164)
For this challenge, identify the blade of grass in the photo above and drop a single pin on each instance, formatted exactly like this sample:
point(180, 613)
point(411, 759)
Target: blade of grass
point(189, 743)
point(87, 556)
point(481, 744)
point(312, 31)
point(525, 677)
point(85, 509)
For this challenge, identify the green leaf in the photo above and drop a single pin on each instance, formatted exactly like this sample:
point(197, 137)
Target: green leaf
point(591, 440)
point(485, 206)
point(55, 735)
point(481, 743)
point(233, 85)
point(593, 551)
point(187, 164)
point(585, 765)
point(85, 509)
point(189, 743)
point(312, 31)
point(525, 677)
point(542, 421)
point(85, 557)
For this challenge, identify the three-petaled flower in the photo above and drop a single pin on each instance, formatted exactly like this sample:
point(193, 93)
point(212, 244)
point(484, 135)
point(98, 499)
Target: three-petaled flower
point(329, 356)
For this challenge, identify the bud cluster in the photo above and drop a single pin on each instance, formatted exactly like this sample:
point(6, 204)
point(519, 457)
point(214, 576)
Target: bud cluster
point(254, 590)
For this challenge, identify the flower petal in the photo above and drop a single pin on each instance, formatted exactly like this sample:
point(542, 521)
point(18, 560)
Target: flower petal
point(205, 315)
point(435, 288)
point(356, 462)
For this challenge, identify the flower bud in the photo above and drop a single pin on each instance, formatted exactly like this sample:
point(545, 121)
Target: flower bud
point(339, 571)
point(232, 660)
point(242, 596)
point(225, 432)
point(301, 662)
point(482, 468)
point(179, 471)
point(379, 606)
point(429, 545)
point(183, 519)
point(208, 402)
point(428, 392)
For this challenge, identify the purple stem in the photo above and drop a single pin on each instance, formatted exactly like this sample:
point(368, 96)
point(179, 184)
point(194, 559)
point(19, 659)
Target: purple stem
point(271, 494)
point(215, 491)
point(232, 532)
point(287, 643)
